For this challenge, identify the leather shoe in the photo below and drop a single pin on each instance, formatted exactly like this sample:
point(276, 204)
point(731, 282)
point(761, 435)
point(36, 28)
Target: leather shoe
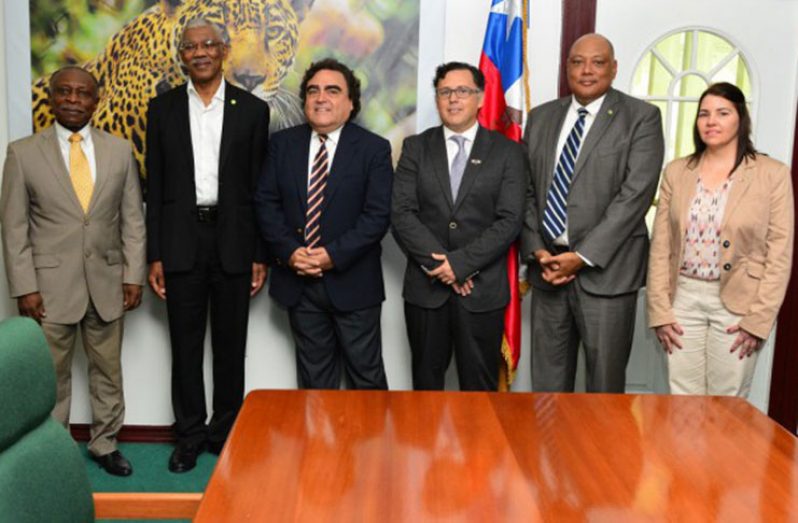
point(184, 457)
point(114, 463)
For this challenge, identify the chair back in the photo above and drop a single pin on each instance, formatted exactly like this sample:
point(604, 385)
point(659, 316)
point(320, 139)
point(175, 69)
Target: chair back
point(42, 474)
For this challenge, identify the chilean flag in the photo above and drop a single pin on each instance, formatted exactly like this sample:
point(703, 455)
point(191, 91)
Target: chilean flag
point(503, 109)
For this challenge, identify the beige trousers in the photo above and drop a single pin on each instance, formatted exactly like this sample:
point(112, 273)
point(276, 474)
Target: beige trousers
point(704, 365)
point(102, 342)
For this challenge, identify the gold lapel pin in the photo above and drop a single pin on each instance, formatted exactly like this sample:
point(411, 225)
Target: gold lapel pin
point(610, 112)
point(476, 161)
point(233, 101)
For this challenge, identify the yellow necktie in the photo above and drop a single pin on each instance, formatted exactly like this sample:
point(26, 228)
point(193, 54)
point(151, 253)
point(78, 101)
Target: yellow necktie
point(79, 171)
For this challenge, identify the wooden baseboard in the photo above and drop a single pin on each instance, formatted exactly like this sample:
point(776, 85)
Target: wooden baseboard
point(130, 433)
point(146, 505)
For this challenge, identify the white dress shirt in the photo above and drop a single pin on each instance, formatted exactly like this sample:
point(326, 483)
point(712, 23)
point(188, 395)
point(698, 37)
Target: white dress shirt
point(570, 120)
point(331, 144)
point(451, 146)
point(206, 140)
point(63, 134)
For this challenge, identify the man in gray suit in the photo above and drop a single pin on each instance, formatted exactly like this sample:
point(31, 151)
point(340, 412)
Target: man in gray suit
point(458, 198)
point(595, 159)
point(73, 242)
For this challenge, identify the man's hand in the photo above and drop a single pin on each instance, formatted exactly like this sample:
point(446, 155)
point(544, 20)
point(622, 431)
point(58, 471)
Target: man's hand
point(442, 272)
point(132, 296)
point(32, 306)
point(745, 341)
point(303, 263)
point(464, 289)
point(669, 336)
point(560, 269)
point(156, 279)
point(321, 257)
point(259, 273)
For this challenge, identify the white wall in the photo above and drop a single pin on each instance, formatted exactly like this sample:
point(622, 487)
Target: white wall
point(450, 30)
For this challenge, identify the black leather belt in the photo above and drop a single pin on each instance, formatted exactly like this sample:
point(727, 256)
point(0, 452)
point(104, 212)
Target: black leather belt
point(206, 214)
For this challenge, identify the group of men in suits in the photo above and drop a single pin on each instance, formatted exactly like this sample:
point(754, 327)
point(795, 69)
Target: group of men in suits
point(315, 201)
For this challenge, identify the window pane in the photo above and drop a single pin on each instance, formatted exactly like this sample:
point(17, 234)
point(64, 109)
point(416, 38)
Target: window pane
point(712, 49)
point(673, 49)
point(735, 72)
point(691, 85)
point(651, 78)
point(682, 130)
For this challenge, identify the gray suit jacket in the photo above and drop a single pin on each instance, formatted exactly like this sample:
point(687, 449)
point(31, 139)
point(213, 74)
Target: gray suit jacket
point(613, 186)
point(50, 246)
point(474, 231)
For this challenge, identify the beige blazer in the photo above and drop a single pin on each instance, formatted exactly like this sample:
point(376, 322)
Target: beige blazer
point(756, 242)
point(50, 246)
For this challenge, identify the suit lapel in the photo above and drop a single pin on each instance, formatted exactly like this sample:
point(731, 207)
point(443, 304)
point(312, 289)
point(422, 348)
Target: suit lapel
point(440, 164)
point(51, 151)
point(741, 177)
point(102, 165)
point(479, 153)
point(685, 197)
point(182, 126)
point(229, 118)
point(603, 119)
point(344, 151)
point(552, 137)
point(300, 166)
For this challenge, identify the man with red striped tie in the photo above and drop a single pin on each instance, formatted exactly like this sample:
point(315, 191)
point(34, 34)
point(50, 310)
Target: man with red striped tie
point(323, 206)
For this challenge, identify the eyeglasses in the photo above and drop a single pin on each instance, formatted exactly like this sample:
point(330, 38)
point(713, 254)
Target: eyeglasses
point(212, 46)
point(460, 92)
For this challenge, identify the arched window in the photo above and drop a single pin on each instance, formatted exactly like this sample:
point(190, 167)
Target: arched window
point(676, 69)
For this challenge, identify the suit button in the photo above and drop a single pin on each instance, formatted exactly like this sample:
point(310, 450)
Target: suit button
point(86, 223)
point(298, 230)
point(453, 225)
point(727, 267)
point(87, 254)
point(726, 243)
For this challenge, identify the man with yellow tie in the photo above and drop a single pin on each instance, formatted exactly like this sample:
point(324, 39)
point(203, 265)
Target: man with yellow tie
point(74, 249)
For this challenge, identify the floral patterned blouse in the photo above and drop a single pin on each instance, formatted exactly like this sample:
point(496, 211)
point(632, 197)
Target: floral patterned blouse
point(701, 258)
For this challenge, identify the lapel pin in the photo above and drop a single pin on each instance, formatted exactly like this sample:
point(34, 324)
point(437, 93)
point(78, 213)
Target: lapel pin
point(610, 112)
point(233, 101)
point(476, 161)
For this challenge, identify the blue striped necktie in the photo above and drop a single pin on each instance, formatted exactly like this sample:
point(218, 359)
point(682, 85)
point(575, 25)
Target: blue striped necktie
point(316, 185)
point(556, 212)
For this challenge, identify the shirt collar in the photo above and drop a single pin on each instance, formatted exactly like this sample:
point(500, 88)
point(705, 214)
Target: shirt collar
point(218, 95)
point(592, 108)
point(470, 134)
point(332, 137)
point(63, 133)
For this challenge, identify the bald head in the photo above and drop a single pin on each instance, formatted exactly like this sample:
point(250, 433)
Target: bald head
point(591, 67)
point(79, 71)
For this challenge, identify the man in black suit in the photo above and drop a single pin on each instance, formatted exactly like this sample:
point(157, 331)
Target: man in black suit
point(323, 206)
point(457, 206)
point(205, 145)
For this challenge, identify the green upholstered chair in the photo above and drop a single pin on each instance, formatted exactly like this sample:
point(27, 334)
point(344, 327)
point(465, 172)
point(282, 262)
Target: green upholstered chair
point(42, 474)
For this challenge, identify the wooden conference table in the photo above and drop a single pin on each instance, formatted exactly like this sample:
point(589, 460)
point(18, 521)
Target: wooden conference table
point(430, 456)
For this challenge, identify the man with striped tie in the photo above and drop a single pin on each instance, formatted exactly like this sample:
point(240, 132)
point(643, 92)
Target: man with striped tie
point(595, 159)
point(73, 244)
point(323, 206)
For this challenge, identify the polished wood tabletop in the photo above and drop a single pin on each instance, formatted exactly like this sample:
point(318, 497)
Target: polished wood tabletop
point(370, 456)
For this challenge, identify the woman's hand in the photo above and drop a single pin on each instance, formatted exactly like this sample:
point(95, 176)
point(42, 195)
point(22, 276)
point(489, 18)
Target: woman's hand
point(745, 341)
point(668, 336)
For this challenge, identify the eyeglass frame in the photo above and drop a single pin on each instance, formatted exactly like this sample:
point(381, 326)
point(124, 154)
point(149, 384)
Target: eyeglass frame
point(461, 92)
point(209, 45)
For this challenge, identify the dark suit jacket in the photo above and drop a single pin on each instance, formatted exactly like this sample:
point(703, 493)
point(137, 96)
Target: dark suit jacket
point(171, 193)
point(354, 216)
point(474, 232)
point(614, 182)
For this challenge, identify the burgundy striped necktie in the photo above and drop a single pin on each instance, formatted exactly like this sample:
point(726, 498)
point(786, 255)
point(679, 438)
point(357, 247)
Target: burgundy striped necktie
point(316, 186)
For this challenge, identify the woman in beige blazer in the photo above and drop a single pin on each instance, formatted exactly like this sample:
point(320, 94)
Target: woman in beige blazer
point(721, 251)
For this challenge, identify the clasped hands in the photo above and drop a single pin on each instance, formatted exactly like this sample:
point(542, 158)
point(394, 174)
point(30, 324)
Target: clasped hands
point(560, 269)
point(310, 261)
point(444, 274)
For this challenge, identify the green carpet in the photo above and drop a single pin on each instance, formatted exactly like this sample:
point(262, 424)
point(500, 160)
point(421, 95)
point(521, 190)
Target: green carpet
point(150, 471)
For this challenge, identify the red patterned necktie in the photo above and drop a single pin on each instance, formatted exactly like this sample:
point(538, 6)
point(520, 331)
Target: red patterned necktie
point(316, 186)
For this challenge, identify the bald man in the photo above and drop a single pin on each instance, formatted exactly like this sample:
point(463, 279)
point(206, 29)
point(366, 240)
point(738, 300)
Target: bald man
point(595, 160)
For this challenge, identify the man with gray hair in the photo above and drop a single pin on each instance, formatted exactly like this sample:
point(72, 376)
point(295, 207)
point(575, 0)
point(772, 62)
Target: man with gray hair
point(205, 145)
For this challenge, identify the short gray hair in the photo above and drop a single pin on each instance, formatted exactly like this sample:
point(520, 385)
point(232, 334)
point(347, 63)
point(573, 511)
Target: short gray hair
point(199, 21)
